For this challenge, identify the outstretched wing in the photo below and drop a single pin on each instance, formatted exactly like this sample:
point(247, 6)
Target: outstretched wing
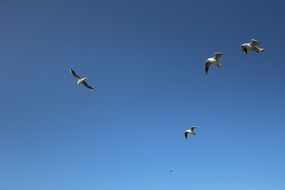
point(254, 42)
point(218, 55)
point(207, 65)
point(74, 74)
point(244, 49)
point(186, 134)
point(87, 85)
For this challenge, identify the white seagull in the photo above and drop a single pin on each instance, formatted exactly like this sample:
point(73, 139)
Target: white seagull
point(190, 131)
point(252, 45)
point(213, 60)
point(80, 79)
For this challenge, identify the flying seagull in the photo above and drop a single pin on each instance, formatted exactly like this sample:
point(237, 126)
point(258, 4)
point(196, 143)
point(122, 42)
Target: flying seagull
point(252, 45)
point(190, 131)
point(80, 79)
point(213, 60)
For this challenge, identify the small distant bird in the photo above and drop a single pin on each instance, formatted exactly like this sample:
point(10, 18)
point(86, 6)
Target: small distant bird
point(170, 170)
point(80, 79)
point(213, 60)
point(190, 131)
point(252, 45)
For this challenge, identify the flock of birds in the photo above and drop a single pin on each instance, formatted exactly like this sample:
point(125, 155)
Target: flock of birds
point(253, 45)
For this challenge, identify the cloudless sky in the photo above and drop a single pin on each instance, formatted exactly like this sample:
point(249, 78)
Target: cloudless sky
point(145, 60)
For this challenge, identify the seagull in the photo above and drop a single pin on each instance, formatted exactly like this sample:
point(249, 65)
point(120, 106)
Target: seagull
point(190, 131)
point(213, 60)
point(80, 79)
point(252, 45)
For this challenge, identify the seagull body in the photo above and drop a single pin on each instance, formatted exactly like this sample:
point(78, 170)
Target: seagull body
point(252, 45)
point(190, 131)
point(213, 60)
point(80, 79)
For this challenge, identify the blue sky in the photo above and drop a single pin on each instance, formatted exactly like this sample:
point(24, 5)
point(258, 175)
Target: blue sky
point(145, 60)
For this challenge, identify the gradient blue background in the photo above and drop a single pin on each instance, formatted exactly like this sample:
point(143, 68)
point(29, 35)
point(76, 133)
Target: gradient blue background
point(145, 60)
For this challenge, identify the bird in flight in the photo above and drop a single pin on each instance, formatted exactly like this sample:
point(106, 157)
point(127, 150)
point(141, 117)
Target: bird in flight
point(80, 79)
point(190, 131)
point(213, 60)
point(252, 45)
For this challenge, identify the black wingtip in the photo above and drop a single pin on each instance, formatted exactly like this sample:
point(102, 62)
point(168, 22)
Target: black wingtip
point(244, 50)
point(206, 70)
point(71, 70)
point(206, 66)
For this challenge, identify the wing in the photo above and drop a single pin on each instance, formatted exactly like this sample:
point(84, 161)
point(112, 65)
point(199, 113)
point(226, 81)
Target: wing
point(254, 42)
point(207, 65)
point(87, 85)
point(186, 134)
point(74, 74)
point(218, 55)
point(244, 49)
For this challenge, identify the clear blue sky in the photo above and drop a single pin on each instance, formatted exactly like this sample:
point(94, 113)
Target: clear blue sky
point(145, 60)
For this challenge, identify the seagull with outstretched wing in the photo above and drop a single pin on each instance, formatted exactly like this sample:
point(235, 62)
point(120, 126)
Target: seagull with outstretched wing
point(213, 60)
point(80, 79)
point(190, 131)
point(253, 45)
